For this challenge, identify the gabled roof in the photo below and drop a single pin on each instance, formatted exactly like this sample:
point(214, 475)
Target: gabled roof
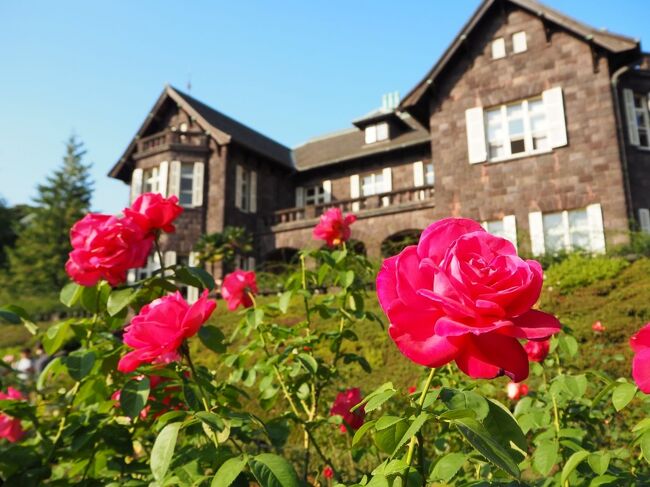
point(221, 127)
point(347, 145)
point(613, 43)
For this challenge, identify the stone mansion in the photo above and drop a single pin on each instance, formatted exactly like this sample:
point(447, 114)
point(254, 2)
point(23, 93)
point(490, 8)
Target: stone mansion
point(531, 122)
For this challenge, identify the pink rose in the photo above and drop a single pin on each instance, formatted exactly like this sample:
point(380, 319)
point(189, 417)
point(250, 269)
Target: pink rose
point(516, 390)
point(106, 247)
point(598, 327)
point(333, 227)
point(343, 403)
point(463, 294)
point(160, 328)
point(154, 212)
point(237, 288)
point(537, 351)
point(10, 428)
point(640, 343)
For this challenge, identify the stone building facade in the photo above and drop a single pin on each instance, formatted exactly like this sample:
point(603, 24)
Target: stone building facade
point(531, 122)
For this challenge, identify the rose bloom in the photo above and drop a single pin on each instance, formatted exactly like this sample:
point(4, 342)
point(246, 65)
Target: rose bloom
point(516, 390)
point(537, 351)
point(328, 472)
point(343, 403)
point(106, 247)
point(237, 288)
point(160, 328)
point(463, 294)
point(10, 428)
point(333, 227)
point(598, 327)
point(640, 343)
point(154, 212)
point(412, 389)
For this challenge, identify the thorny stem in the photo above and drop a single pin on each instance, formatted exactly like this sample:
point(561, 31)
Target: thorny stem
point(423, 395)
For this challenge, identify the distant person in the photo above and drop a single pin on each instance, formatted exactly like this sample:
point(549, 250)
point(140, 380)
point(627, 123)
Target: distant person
point(25, 365)
point(41, 360)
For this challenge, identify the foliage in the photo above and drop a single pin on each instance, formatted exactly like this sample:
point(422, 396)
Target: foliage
point(10, 218)
point(224, 246)
point(579, 271)
point(36, 263)
point(639, 244)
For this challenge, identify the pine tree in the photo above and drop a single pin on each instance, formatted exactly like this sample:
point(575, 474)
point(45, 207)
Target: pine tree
point(36, 264)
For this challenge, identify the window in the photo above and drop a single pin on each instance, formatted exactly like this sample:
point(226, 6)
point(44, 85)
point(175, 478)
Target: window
point(504, 228)
point(245, 263)
point(519, 42)
point(566, 230)
point(642, 119)
point(429, 176)
point(376, 133)
point(186, 185)
point(372, 184)
point(498, 48)
point(150, 181)
point(153, 264)
point(516, 129)
point(246, 189)
point(315, 195)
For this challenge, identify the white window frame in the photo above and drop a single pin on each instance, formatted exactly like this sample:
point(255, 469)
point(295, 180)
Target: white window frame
point(498, 48)
point(519, 42)
point(318, 198)
point(641, 114)
point(528, 134)
point(150, 177)
point(377, 188)
point(246, 189)
point(153, 264)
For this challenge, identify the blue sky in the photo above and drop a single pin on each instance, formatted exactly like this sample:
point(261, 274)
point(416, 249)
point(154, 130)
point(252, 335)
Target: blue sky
point(291, 69)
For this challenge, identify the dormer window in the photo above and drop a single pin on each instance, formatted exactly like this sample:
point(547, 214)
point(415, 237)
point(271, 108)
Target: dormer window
point(519, 42)
point(376, 133)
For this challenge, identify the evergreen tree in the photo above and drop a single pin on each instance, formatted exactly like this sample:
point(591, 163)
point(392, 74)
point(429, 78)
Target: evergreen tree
point(36, 264)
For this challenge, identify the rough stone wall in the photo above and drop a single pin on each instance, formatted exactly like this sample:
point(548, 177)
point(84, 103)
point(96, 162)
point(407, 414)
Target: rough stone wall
point(586, 171)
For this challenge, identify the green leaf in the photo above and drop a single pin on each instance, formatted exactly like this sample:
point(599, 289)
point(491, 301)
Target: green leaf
point(545, 456)
point(455, 399)
point(134, 396)
point(211, 419)
point(568, 344)
point(254, 317)
point(55, 336)
point(285, 301)
point(361, 432)
point(212, 338)
point(229, 471)
point(574, 385)
point(572, 463)
point(273, 471)
point(119, 299)
point(599, 462)
point(645, 446)
point(378, 400)
point(389, 437)
point(308, 362)
point(10, 317)
point(447, 467)
point(54, 367)
point(503, 428)
point(195, 277)
point(163, 450)
point(623, 394)
point(70, 294)
point(481, 440)
point(16, 315)
point(415, 426)
point(80, 363)
point(604, 480)
point(90, 298)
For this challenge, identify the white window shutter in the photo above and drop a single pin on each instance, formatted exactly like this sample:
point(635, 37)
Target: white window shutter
point(510, 228)
point(554, 106)
point(174, 179)
point(418, 174)
point(387, 174)
point(197, 184)
point(253, 193)
point(596, 230)
point(476, 146)
point(354, 191)
point(193, 292)
point(327, 191)
point(239, 176)
point(485, 226)
point(251, 263)
point(536, 229)
point(136, 184)
point(300, 196)
point(163, 173)
point(170, 260)
point(644, 219)
point(630, 116)
point(130, 276)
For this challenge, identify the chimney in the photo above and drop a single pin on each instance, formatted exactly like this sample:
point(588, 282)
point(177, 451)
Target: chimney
point(389, 101)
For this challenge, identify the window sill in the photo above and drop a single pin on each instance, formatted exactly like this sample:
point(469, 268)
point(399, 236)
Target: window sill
point(518, 156)
point(642, 148)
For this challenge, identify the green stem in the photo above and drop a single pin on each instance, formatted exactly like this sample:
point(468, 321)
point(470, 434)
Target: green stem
point(160, 257)
point(423, 395)
point(186, 352)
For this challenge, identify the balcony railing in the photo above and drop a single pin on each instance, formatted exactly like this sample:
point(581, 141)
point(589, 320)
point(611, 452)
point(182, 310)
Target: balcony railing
point(163, 140)
point(377, 203)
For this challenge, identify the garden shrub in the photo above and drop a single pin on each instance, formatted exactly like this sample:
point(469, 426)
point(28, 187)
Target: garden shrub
point(578, 270)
